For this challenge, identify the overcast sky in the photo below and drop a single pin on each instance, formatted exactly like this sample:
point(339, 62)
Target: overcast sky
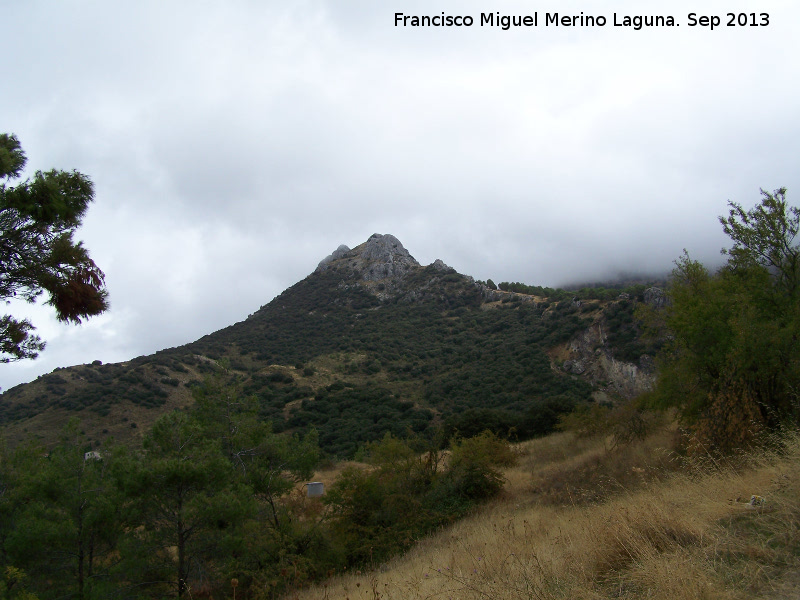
point(234, 144)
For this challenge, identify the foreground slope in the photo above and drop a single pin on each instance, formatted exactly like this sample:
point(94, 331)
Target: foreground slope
point(684, 535)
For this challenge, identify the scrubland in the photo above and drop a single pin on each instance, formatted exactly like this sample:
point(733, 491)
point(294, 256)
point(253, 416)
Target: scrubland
point(580, 519)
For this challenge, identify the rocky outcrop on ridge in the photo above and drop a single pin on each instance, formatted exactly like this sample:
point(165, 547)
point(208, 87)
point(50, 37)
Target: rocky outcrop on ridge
point(338, 253)
point(656, 297)
point(382, 256)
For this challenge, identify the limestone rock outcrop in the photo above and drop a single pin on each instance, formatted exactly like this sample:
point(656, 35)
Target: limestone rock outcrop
point(382, 256)
point(338, 253)
point(591, 357)
point(656, 297)
point(439, 265)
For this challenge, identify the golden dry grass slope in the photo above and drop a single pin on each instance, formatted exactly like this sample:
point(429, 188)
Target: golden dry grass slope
point(673, 534)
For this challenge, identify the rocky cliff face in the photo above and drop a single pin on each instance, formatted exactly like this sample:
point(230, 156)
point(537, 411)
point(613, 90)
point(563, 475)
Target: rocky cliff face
point(590, 357)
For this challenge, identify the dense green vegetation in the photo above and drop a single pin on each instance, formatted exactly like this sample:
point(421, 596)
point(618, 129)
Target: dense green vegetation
point(96, 387)
point(407, 494)
point(214, 495)
point(625, 332)
point(452, 354)
point(429, 352)
point(734, 363)
point(451, 358)
point(348, 416)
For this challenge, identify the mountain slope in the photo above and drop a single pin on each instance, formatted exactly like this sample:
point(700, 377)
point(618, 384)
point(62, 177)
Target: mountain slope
point(370, 342)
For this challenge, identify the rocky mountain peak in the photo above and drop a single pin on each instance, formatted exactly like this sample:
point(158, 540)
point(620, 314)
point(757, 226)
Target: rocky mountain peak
point(385, 249)
point(382, 256)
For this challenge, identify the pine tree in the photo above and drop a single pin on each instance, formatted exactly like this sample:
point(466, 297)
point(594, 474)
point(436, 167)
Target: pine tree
point(38, 253)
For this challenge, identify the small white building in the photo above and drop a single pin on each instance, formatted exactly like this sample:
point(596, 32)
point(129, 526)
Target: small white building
point(315, 489)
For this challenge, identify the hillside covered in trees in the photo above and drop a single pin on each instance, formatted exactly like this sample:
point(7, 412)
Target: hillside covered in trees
point(357, 349)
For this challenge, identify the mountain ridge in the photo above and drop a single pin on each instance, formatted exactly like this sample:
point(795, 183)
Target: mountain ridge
point(370, 341)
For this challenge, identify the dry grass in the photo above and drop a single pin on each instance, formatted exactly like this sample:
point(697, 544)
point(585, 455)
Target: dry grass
point(565, 469)
point(331, 473)
point(686, 535)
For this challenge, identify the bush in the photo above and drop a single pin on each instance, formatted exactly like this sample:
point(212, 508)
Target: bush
point(586, 421)
point(381, 511)
point(473, 465)
point(626, 423)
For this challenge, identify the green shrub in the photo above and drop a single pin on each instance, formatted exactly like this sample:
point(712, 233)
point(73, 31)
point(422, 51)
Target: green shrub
point(474, 462)
point(383, 510)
